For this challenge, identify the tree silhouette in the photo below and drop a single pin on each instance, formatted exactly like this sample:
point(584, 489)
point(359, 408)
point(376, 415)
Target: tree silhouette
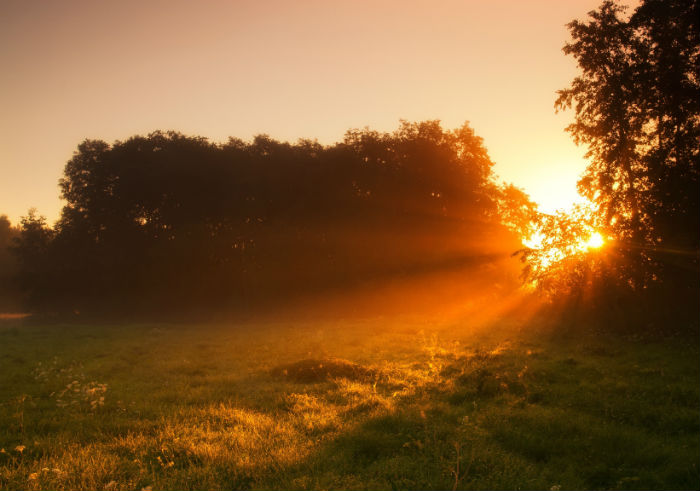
point(31, 248)
point(9, 300)
point(637, 109)
point(168, 222)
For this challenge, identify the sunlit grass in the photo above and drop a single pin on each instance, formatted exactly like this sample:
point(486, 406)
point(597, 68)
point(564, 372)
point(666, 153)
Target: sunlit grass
point(398, 404)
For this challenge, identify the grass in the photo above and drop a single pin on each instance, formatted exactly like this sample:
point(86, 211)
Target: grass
point(353, 404)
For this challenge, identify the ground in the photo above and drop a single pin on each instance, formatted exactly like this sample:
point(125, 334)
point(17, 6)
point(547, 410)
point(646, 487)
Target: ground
point(382, 403)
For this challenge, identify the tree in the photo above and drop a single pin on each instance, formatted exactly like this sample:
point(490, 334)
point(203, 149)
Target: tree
point(31, 248)
point(516, 210)
point(636, 104)
point(9, 300)
point(172, 223)
point(637, 109)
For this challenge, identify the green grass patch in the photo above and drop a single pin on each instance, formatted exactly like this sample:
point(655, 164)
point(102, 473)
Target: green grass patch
point(355, 404)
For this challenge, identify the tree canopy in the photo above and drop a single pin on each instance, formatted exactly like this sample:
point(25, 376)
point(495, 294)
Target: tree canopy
point(168, 221)
point(637, 109)
point(637, 105)
point(9, 300)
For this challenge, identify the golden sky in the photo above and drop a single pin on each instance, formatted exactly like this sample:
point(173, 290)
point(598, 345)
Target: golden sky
point(293, 69)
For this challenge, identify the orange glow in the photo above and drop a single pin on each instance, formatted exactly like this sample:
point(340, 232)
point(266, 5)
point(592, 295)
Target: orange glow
point(538, 241)
point(595, 241)
point(560, 237)
point(309, 69)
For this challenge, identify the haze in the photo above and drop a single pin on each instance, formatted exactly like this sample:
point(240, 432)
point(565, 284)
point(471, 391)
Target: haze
point(305, 69)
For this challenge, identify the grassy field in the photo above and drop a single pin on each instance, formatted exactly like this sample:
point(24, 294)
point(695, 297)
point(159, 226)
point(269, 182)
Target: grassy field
point(385, 403)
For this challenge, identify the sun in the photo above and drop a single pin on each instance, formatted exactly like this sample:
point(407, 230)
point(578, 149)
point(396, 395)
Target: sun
point(595, 241)
point(560, 241)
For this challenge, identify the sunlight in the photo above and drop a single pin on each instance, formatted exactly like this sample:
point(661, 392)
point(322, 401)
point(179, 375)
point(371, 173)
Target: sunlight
point(551, 253)
point(534, 241)
point(559, 238)
point(595, 241)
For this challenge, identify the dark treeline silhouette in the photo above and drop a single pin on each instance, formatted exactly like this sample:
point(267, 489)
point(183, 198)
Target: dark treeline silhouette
point(9, 294)
point(172, 224)
point(637, 106)
point(168, 223)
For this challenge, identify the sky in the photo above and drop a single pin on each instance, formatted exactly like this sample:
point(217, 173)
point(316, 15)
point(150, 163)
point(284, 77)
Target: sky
point(76, 70)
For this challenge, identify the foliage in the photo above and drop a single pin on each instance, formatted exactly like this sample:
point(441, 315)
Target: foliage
point(637, 110)
point(31, 249)
point(557, 260)
point(637, 103)
point(516, 210)
point(8, 267)
point(167, 219)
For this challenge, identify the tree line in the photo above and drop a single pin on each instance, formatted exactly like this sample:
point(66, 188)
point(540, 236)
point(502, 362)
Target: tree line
point(9, 293)
point(170, 223)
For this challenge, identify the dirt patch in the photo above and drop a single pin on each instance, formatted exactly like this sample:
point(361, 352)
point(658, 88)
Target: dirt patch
point(311, 370)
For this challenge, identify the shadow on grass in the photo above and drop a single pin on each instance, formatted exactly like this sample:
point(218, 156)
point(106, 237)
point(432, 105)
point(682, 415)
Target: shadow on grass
point(513, 420)
point(524, 414)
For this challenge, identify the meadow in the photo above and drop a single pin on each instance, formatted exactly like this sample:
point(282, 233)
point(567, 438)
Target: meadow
point(390, 403)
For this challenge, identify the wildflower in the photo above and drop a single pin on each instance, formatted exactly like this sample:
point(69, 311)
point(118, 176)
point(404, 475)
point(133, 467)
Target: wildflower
point(33, 476)
point(20, 448)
